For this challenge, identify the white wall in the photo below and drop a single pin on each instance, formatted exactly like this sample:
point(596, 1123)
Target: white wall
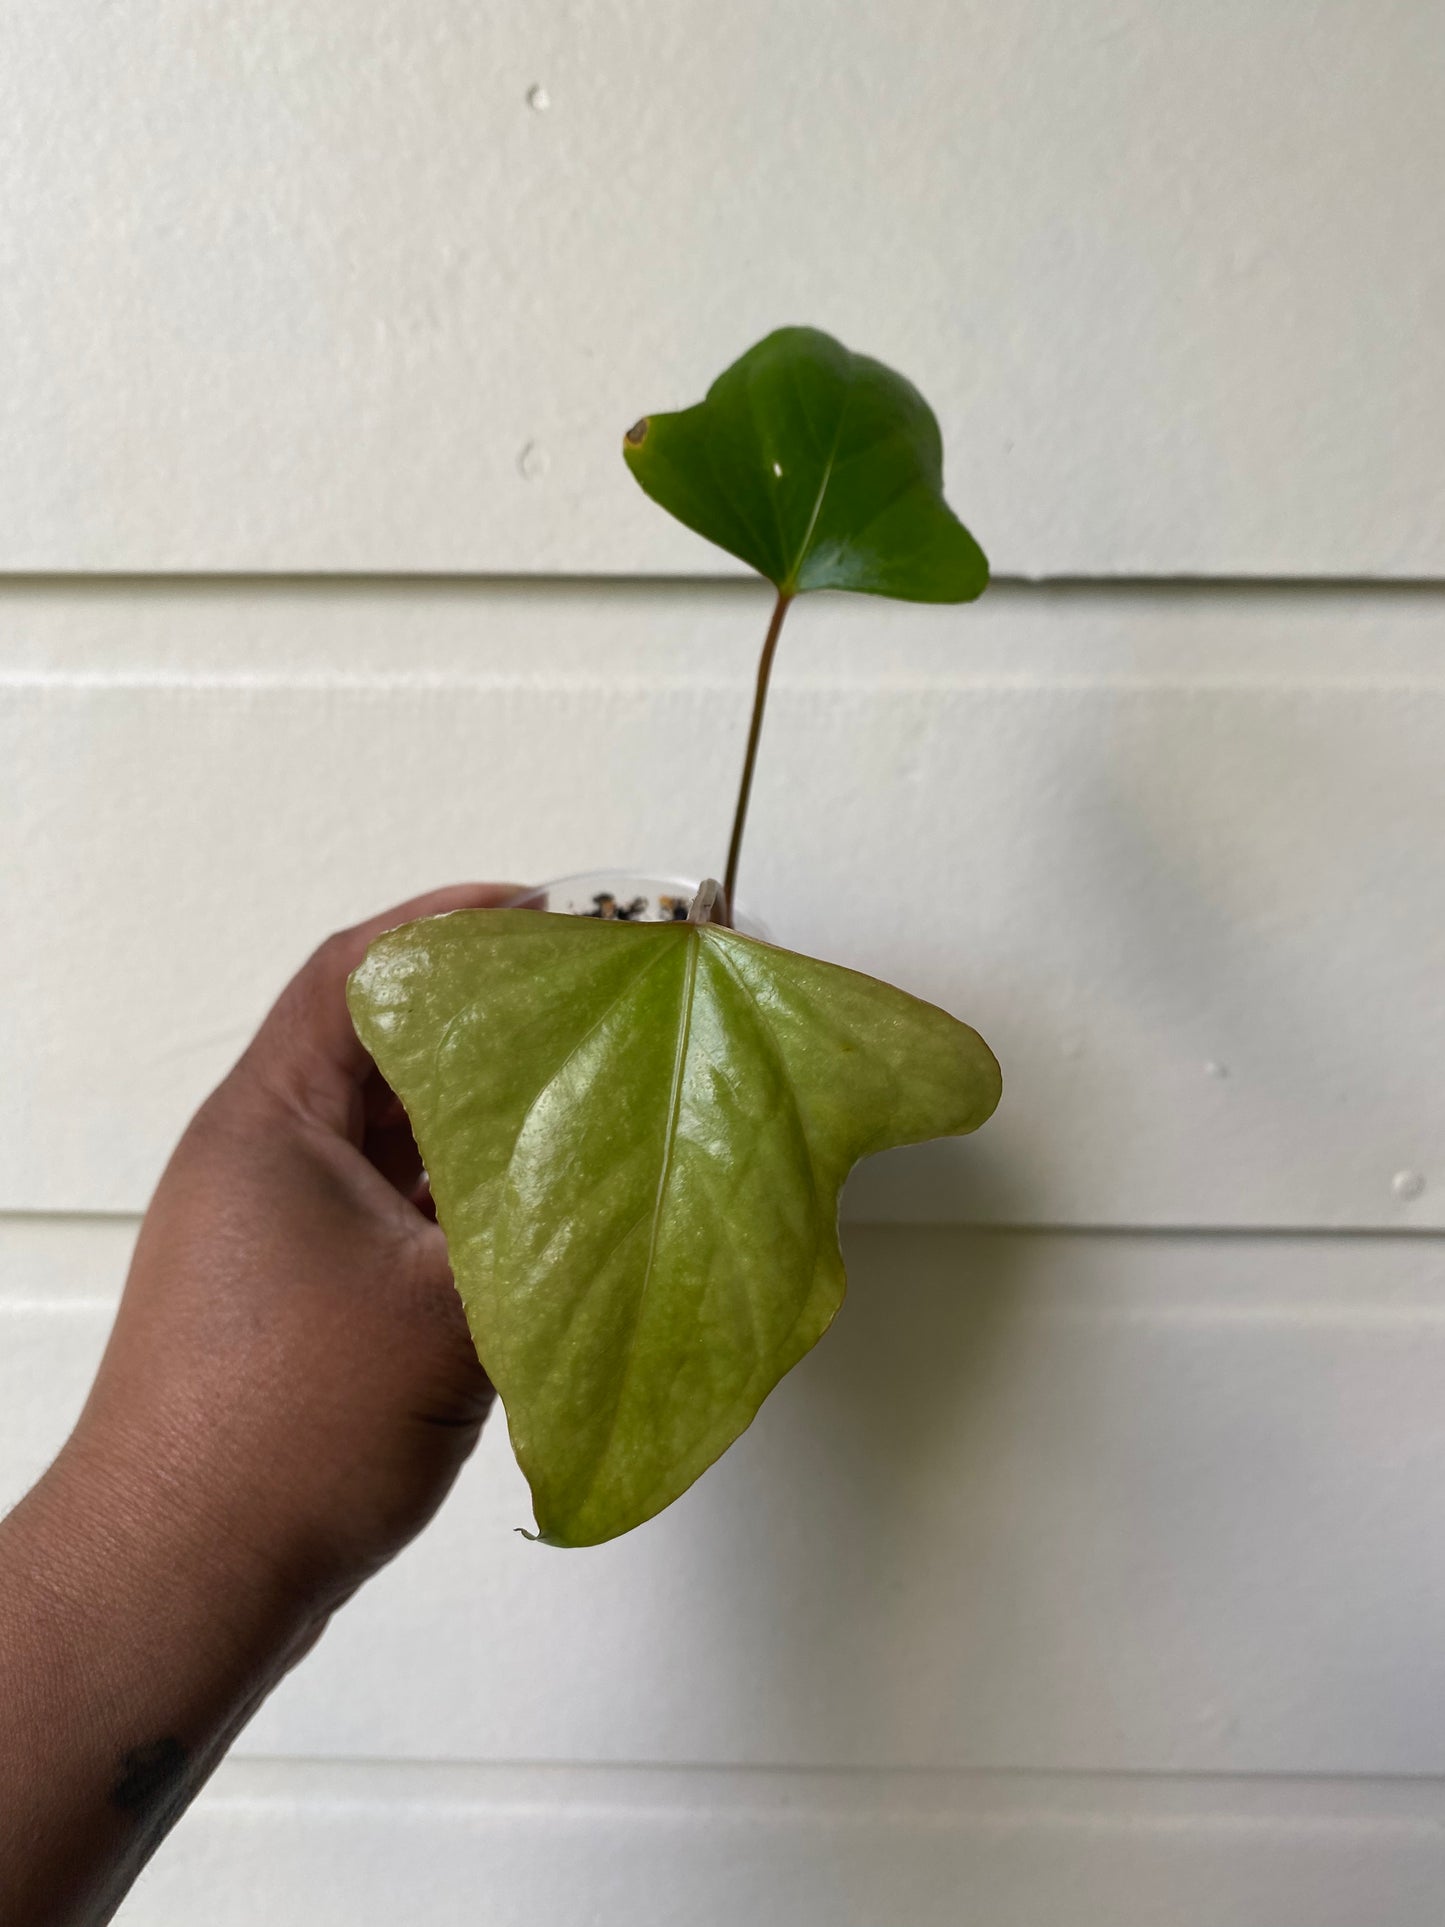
point(1091, 1568)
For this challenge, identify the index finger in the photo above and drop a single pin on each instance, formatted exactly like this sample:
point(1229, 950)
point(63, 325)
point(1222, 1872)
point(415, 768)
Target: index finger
point(306, 1046)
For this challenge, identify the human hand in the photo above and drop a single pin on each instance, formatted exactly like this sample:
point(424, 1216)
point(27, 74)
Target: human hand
point(290, 1354)
point(288, 1392)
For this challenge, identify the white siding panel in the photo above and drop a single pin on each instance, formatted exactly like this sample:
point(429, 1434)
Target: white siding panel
point(59, 1280)
point(363, 1846)
point(1038, 1501)
point(700, 634)
point(1089, 1571)
point(1182, 883)
point(316, 287)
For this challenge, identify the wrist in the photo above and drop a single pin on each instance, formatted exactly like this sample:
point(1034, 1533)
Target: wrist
point(135, 1642)
point(158, 1516)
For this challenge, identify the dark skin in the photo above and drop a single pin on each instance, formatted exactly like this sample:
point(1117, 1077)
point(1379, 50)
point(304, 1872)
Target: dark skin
point(288, 1393)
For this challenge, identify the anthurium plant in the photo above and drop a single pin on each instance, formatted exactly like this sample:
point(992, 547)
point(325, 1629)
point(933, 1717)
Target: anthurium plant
point(636, 1133)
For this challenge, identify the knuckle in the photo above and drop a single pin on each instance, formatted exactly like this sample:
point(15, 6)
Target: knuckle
point(333, 949)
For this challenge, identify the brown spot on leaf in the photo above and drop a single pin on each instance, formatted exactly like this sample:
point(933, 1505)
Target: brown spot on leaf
point(637, 434)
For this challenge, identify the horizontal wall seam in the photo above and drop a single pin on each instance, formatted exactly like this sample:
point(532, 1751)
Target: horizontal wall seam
point(842, 1773)
point(80, 1216)
point(1084, 585)
point(423, 682)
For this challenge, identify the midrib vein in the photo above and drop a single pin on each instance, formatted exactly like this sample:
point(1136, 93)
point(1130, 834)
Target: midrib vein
point(674, 1107)
point(799, 558)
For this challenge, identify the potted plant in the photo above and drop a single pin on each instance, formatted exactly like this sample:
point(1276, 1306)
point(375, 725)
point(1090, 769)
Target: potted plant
point(637, 1130)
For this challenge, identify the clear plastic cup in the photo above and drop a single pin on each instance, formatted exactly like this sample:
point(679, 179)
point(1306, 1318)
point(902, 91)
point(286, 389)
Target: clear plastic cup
point(622, 896)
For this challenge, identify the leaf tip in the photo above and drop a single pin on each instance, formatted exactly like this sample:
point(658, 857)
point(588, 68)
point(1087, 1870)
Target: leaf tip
point(637, 434)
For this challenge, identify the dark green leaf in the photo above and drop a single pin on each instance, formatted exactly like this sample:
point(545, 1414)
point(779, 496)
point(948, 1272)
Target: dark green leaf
point(821, 468)
point(636, 1134)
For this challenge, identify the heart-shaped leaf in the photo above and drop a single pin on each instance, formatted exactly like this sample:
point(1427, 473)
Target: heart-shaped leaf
point(636, 1135)
point(821, 468)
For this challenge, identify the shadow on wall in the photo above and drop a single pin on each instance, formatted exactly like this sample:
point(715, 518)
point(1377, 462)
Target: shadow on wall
point(867, 1487)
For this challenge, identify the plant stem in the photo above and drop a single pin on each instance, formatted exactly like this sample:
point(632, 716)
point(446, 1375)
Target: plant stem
point(706, 906)
point(745, 788)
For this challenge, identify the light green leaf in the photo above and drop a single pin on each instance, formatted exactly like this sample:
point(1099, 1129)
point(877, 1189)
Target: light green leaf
point(821, 468)
point(636, 1134)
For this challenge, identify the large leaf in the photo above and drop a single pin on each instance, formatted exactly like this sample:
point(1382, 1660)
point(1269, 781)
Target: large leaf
point(636, 1135)
point(821, 468)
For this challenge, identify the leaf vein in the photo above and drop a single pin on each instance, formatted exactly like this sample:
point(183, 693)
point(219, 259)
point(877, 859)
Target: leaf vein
point(827, 477)
point(633, 984)
point(674, 1108)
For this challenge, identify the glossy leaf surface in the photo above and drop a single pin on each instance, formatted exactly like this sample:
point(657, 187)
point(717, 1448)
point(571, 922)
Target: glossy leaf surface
point(821, 468)
point(636, 1135)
